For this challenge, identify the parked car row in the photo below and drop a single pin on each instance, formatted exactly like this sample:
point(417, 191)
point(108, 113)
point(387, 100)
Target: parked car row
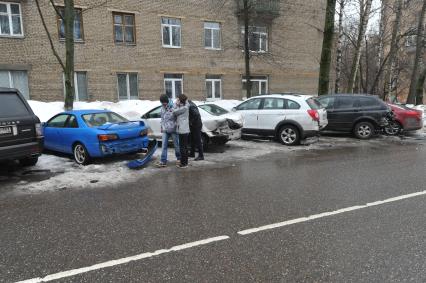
point(288, 117)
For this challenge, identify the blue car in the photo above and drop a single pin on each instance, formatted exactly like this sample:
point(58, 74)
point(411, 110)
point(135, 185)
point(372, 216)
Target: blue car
point(88, 134)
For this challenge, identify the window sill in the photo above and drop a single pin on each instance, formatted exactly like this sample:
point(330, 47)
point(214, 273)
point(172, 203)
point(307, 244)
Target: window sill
point(172, 47)
point(257, 52)
point(62, 40)
point(213, 49)
point(125, 44)
point(12, 36)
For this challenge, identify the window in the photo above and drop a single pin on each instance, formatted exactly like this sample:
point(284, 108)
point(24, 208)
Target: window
point(252, 104)
point(72, 122)
point(12, 106)
point(10, 19)
point(171, 32)
point(154, 114)
point(213, 87)
point(292, 105)
point(368, 102)
point(345, 102)
point(124, 28)
point(173, 85)
point(80, 86)
point(99, 119)
point(78, 24)
point(259, 85)
point(15, 79)
point(58, 121)
point(326, 102)
point(127, 86)
point(273, 103)
point(258, 39)
point(213, 109)
point(212, 37)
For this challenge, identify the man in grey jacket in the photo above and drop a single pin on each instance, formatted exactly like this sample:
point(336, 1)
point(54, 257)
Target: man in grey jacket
point(181, 112)
point(168, 130)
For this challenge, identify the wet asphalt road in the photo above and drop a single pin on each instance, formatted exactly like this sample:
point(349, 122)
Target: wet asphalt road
point(52, 232)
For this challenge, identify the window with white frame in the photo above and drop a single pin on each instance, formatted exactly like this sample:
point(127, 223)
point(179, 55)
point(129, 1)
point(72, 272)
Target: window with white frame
point(173, 85)
point(78, 24)
point(212, 36)
point(15, 79)
point(80, 86)
point(10, 19)
point(213, 87)
point(258, 38)
point(127, 84)
point(259, 85)
point(171, 32)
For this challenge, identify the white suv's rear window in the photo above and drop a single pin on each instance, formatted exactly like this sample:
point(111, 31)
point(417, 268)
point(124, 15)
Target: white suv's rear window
point(11, 105)
point(313, 103)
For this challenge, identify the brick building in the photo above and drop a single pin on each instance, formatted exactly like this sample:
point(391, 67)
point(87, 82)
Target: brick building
point(141, 48)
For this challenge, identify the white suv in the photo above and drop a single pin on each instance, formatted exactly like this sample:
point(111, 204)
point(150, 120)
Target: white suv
point(288, 117)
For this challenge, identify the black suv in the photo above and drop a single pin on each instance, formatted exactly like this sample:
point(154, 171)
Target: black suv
point(361, 114)
point(20, 130)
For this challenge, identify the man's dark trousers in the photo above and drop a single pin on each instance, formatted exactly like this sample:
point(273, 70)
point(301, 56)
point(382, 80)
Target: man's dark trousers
point(196, 141)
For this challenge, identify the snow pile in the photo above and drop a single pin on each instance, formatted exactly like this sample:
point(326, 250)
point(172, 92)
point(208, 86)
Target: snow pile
point(131, 109)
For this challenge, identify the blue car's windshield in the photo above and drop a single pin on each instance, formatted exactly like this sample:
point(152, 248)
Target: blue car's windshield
point(99, 119)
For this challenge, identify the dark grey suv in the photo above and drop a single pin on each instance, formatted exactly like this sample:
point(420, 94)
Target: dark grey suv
point(361, 114)
point(21, 135)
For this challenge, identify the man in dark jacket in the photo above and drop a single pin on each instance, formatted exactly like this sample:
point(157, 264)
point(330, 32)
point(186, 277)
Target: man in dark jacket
point(195, 126)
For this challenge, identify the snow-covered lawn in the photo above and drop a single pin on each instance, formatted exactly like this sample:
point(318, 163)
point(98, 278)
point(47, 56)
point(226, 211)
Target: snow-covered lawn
point(131, 109)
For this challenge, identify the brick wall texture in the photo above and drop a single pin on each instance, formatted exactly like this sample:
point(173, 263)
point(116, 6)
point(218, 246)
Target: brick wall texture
point(291, 64)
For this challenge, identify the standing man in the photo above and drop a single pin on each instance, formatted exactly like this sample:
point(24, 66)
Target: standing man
point(181, 112)
point(195, 126)
point(168, 129)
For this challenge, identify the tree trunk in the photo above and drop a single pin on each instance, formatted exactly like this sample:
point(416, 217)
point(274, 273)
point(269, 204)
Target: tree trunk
point(363, 21)
point(339, 48)
point(246, 49)
point(419, 54)
point(419, 87)
point(327, 45)
point(380, 52)
point(69, 53)
point(393, 51)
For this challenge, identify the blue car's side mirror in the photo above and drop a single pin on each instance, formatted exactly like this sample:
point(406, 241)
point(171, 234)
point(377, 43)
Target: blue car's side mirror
point(141, 123)
point(43, 124)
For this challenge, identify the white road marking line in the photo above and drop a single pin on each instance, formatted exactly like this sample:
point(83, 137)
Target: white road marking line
point(326, 214)
point(125, 260)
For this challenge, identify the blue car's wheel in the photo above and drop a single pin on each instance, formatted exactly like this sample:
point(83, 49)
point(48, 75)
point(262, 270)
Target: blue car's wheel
point(81, 156)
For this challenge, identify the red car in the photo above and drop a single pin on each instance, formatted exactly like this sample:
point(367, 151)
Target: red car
point(406, 119)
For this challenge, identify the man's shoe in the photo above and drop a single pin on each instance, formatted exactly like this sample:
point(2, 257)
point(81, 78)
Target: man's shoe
point(199, 158)
point(161, 164)
point(182, 166)
point(191, 155)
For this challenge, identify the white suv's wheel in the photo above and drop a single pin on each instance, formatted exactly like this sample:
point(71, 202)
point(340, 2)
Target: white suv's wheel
point(81, 156)
point(289, 135)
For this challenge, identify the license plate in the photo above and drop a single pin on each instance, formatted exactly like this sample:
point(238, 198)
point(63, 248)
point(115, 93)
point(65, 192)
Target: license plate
point(5, 130)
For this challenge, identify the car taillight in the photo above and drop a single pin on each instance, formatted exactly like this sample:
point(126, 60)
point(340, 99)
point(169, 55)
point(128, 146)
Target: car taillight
point(144, 132)
point(38, 130)
point(314, 114)
point(108, 137)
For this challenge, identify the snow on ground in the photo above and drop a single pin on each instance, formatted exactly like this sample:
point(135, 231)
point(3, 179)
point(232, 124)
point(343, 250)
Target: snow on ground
point(113, 172)
point(131, 109)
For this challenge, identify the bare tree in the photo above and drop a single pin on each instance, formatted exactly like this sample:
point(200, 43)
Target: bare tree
point(327, 44)
point(365, 9)
point(393, 50)
point(339, 47)
point(68, 67)
point(419, 54)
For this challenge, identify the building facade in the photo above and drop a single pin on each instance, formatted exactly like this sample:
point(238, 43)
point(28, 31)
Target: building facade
point(139, 49)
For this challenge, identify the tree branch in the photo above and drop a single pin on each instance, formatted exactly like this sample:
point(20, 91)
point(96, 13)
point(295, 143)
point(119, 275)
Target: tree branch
point(49, 36)
point(56, 10)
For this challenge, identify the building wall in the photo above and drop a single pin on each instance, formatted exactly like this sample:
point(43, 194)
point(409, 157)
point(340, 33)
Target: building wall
point(292, 63)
